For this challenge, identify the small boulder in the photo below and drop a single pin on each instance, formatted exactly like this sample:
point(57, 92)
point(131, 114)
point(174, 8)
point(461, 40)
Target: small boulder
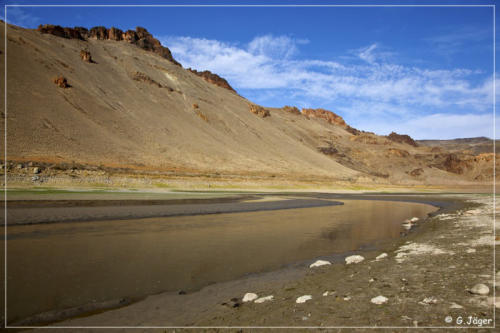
point(379, 300)
point(480, 289)
point(249, 297)
point(303, 299)
point(61, 82)
point(319, 263)
point(381, 256)
point(355, 259)
point(36, 170)
point(85, 56)
point(264, 299)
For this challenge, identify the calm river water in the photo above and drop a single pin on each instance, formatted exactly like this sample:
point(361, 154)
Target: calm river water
point(63, 265)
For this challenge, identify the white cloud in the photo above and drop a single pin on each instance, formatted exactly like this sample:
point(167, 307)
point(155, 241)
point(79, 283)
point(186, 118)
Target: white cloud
point(435, 126)
point(268, 70)
point(21, 17)
point(367, 53)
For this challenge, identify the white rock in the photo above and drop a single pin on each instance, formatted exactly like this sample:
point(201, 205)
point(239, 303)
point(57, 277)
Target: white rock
point(250, 297)
point(319, 263)
point(264, 299)
point(347, 298)
point(480, 289)
point(407, 226)
point(428, 300)
point(371, 280)
point(455, 306)
point(379, 300)
point(303, 299)
point(327, 293)
point(471, 251)
point(381, 256)
point(354, 259)
point(414, 219)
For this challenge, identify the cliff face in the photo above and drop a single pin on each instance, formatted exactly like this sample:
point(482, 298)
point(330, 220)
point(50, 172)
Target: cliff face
point(140, 37)
point(212, 78)
point(329, 116)
point(402, 138)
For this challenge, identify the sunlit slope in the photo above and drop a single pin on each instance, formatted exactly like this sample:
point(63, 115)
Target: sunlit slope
point(132, 108)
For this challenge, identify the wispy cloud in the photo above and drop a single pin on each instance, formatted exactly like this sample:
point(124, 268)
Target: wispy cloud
point(268, 70)
point(452, 41)
point(21, 17)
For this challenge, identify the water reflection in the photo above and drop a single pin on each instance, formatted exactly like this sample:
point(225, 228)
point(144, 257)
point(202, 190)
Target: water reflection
point(63, 265)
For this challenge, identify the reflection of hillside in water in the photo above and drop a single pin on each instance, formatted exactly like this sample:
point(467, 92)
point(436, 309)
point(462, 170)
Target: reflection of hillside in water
point(112, 259)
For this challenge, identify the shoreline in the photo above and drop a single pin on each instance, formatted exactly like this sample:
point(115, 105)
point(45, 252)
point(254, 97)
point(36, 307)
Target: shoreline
point(214, 293)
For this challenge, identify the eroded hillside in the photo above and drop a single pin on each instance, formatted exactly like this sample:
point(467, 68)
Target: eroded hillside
point(108, 99)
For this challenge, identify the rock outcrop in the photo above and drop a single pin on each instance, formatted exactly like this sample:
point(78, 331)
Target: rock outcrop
point(329, 116)
point(141, 77)
point(86, 56)
point(291, 109)
point(454, 164)
point(212, 78)
point(397, 152)
point(61, 82)
point(259, 111)
point(140, 37)
point(402, 138)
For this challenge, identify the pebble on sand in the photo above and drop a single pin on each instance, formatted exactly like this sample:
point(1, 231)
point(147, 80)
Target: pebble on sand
point(303, 299)
point(381, 256)
point(264, 299)
point(471, 251)
point(455, 306)
point(428, 300)
point(250, 297)
point(319, 263)
point(354, 259)
point(379, 300)
point(480, 289)
point(414, 219)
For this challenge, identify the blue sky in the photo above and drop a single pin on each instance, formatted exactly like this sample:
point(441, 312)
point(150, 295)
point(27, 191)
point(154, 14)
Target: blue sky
point(422, 71)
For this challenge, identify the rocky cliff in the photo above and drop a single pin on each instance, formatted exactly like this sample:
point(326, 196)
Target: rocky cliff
point(140, 37)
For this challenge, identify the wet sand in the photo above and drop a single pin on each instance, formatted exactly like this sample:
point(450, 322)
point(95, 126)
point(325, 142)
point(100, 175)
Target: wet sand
point(76, 211)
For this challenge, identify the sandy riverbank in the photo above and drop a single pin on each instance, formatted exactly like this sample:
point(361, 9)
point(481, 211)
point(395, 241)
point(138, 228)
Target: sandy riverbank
point(426, 278)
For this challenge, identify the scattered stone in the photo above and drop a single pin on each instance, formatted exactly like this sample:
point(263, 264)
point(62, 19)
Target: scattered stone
point(303, 299)
point(381, 256)
point(414, 219)
point(319, 263)
point(85, 56)
point(326, 293)
point(407, 226)
point(371, 280)
point(19, 166)
point(249, 297)
point(471, 251)
point(347, 298)
point(480, 289)
point(428, 300)
point(35, 178)
point(355, 259)
point(264, 299)
point(379, 300)
point(36, 170)
point(61, 82)
point(455, 306)
point(181, 292)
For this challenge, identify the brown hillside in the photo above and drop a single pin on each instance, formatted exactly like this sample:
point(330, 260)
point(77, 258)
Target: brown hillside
point(132, 105)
